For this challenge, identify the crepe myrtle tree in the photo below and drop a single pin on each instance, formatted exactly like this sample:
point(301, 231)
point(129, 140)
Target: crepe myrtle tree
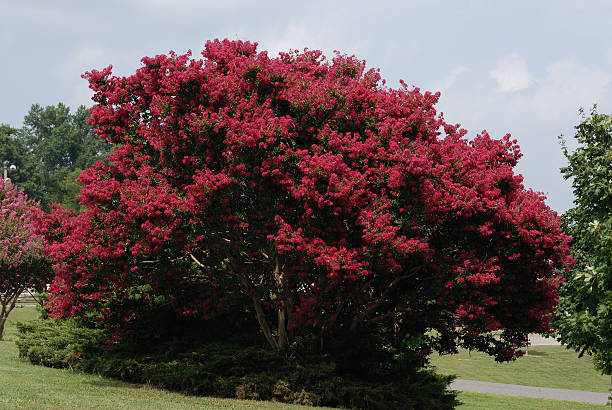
point(309, 195)
point(23, 264)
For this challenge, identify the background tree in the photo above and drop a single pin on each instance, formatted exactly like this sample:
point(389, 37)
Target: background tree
point(23, 264)
point(15, 152)
point(55, 146)
point(338, 215)
point(584, 317)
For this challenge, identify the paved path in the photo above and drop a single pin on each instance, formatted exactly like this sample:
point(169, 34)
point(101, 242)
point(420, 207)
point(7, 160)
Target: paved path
point(529, 391)
point(538, 340)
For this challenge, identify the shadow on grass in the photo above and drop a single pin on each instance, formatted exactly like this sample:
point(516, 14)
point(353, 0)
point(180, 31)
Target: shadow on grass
point(538, 353)
point(114, 383)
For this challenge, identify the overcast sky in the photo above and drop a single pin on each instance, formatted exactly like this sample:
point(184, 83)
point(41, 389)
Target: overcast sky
point(518, 67)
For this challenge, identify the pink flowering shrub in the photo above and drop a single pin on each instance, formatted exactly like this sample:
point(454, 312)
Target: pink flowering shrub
point(311, 197)
point(23, 264)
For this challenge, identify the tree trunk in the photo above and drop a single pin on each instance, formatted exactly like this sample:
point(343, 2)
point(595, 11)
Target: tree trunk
point(281, 284)
point(261, 317)
point(2, 322)
point(290, 308)
point(282, 327)
point(8, 302)
point(259, 312)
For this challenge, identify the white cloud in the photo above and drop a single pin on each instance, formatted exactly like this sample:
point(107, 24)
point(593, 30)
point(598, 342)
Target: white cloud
point(511, 74)
point(535, 116)
point(568, 85)
point(294, 37)
point(449, 79)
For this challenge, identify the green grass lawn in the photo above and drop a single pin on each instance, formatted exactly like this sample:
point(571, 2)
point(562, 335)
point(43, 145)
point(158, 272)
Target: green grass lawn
point(545, 366)
point(19, 315)
point(23, 386)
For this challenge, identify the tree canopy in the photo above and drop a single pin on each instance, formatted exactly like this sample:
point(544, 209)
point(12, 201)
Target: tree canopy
point(50, 151)
point(584, 317)
point(13, 151)
point(307, 196)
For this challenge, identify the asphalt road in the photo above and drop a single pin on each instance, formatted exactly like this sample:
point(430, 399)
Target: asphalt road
point(529, 391)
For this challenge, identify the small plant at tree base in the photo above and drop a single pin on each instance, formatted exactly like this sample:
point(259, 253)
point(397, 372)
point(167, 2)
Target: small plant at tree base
point(584, 317)
point(340, 215)
point(23, 264)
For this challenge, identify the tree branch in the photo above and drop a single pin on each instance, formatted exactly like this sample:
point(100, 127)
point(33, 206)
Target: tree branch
point(34, 297)
point(382, 317)
point(372, 308)
point(193, 258)
point(261, 317)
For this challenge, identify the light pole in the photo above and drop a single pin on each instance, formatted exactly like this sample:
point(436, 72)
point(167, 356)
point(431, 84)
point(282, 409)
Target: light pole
point(5, 168)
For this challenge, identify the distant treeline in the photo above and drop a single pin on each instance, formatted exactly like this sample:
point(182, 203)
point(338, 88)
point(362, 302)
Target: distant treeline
point(49, 152)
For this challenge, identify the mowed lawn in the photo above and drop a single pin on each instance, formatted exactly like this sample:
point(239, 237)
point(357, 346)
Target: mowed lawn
point(545, 366)
point(23, 386)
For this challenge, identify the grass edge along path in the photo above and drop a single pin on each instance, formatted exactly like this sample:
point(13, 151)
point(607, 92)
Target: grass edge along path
point(546, 366)
point(530, 391)
point(473, 401)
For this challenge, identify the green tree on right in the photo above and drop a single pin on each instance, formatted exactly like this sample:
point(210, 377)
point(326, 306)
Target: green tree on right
point(583, 319)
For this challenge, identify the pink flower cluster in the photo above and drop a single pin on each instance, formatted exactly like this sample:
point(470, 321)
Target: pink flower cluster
point(23, 263)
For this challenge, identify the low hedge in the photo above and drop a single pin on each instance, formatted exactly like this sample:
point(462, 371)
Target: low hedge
point(55, 344)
